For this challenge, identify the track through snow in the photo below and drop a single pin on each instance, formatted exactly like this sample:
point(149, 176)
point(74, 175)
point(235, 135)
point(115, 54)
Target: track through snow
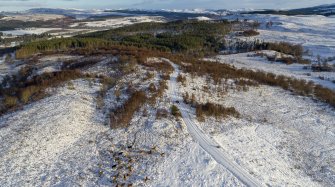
point(206, 142)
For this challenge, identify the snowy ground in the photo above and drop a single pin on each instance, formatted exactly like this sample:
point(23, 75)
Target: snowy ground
point(250, 61)
point(281, 139)
point(119, 22)
point(63, 140)
point(29, 31)
point(314, 32)
point(8, 68)
point(51, 142)
point(206, 142)
point(55, 32)
point(33, 17)
point(84, 27)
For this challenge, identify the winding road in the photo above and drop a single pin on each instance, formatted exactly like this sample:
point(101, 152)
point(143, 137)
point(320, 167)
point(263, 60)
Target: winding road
point(206, 142)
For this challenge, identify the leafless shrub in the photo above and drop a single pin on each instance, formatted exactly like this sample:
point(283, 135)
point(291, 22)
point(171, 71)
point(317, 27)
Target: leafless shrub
point(152, 88)
point(181, 79)
point(220, 71)
point(122, 116)
point(175, 111)
point(34, 88)
point(149, 76)
point(162, 113)
point(10, 101)
point(106, 84)
point(165, 76)
point(215, 110)
point(28, 92)
point(250, 32)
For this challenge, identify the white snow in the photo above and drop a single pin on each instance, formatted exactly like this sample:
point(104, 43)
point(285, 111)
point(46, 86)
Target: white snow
point(280, 139)
point(203, 18)
point(206, 142)
point(315, 33)
point(62, 139)
point(119, 22)
point(29, 31)
point(33, 17)
point(249, 61)
point(279, 136)
point(48, 143)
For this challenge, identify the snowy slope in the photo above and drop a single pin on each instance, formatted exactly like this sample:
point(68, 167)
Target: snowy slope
point(249, 61)
point(62, 140)
point(315, 33)
point(118, 22)
point(280, 138)
point(48, 142)
point(208, 144)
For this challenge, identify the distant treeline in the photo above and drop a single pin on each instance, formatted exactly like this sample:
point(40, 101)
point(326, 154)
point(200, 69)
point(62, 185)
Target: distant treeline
point(6, 25)
point(177, 36)
point(195, 38)
point(321, 10)
point(192, 37)
point(16, 24)
point(60, 44)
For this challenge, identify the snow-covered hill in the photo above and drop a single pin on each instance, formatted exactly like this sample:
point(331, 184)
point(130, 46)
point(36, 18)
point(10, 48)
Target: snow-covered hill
point(70, 135)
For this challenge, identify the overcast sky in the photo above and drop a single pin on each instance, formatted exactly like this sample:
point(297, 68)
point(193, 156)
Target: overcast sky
point(12, 5)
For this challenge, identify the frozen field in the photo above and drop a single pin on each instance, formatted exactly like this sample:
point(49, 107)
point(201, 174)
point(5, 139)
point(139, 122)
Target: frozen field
point(29, 31)
point(315, 33)
point(49, 141)
point(281, 139)
point(67, 139)
point(119, 22)
point(250, 61)
point(63, 140)
point(33, 17)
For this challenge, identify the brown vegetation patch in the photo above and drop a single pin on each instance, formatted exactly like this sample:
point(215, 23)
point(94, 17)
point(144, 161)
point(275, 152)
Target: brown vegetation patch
point(122, 116)
point(250, 32)
point(214, 110)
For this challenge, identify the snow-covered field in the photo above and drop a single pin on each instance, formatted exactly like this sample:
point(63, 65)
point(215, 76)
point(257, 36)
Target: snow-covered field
point(205, 141)
point(119, 22)
point(203, 18)
point(250, 61)
point(315, 33)
point(77, 27)
point(33, 17)
point(29, 31)
point(50, 142)
point(281, 139)
point(63, 140)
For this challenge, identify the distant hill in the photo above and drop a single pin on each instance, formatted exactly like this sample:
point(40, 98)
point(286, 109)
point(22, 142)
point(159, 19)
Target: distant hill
point(169, 14)
point(325, 10)
point(75, 13)
point(101, 13)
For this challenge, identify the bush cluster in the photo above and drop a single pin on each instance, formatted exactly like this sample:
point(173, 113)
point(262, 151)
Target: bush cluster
point(181, 79)
point(250, 32)
point(175, 111)
point(220, 71)
point(214, 110)
point(19, 90)
point(121, 116)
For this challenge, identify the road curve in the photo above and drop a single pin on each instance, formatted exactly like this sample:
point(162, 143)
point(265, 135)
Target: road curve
point(207, 143)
